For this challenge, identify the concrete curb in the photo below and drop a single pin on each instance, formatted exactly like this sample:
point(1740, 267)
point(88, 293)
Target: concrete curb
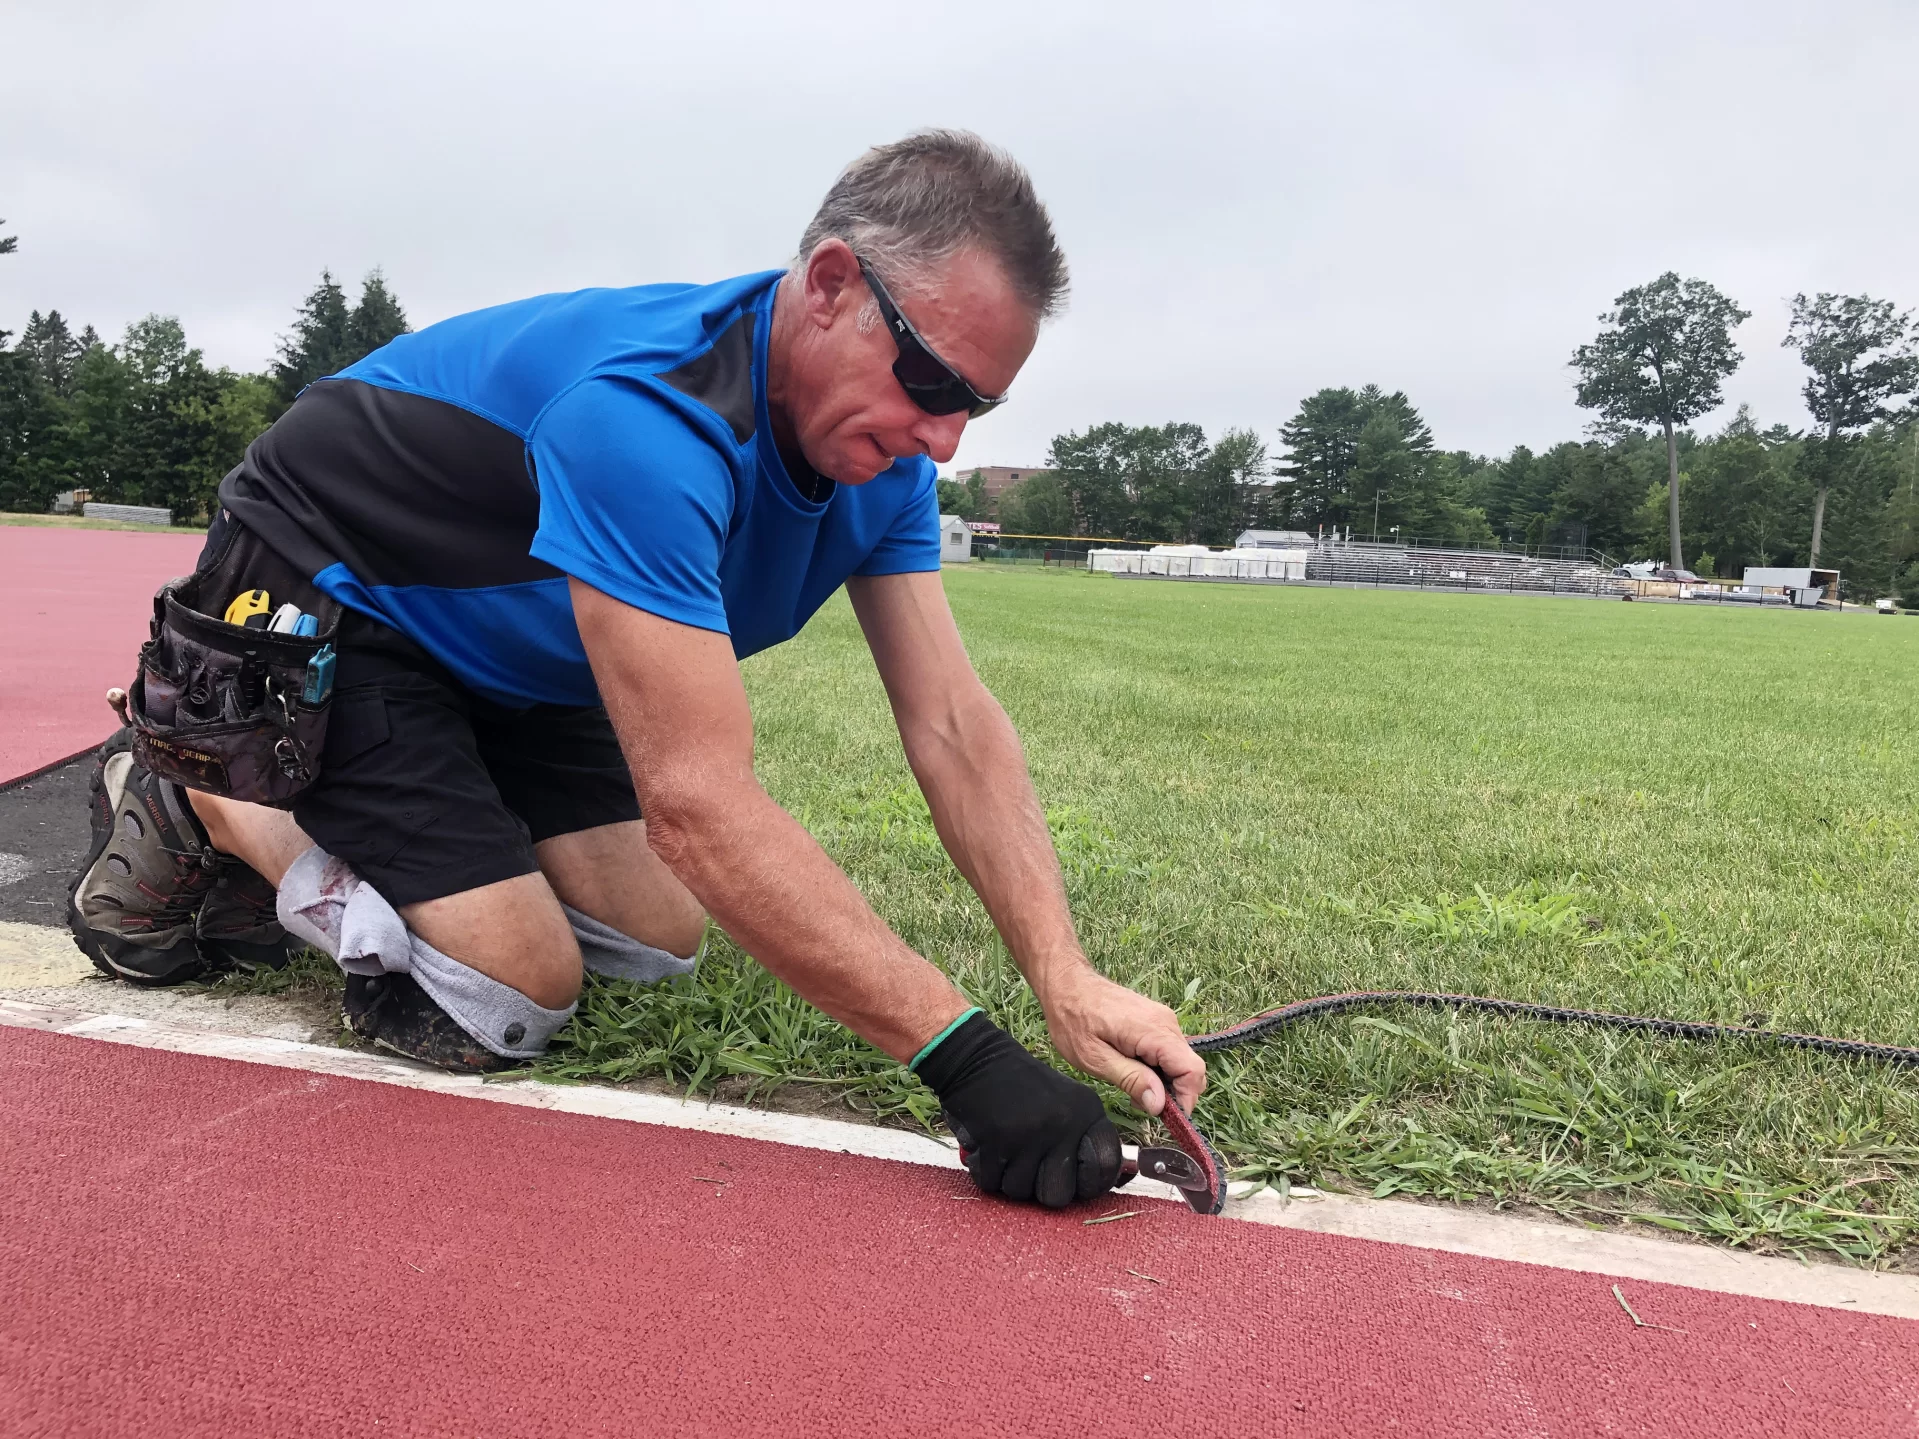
point(36, 955)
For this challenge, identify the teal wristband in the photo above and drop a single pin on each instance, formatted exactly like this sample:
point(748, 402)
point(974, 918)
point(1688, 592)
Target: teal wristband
point(934, 1043)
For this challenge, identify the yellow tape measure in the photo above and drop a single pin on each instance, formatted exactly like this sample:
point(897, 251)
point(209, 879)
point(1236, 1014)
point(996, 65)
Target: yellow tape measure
point(246, 605)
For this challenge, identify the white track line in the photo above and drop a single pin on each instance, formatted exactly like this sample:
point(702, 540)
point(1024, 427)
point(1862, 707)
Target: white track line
point(1456, 1230)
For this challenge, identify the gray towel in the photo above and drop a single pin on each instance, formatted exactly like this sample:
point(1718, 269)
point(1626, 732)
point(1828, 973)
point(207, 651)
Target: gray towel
point(606, 951)
point(325, 903)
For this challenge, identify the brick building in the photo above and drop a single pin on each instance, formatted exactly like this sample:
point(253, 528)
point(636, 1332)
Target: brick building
point(998, 478)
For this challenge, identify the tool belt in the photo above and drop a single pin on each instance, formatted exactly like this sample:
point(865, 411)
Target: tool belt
point(228, 710)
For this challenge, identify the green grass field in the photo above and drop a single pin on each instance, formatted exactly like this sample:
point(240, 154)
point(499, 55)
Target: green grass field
point(1262, 794)
point(78, 522)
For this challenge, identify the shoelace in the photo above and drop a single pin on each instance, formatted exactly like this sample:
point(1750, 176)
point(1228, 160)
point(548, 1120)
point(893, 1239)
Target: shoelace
point(195, 879)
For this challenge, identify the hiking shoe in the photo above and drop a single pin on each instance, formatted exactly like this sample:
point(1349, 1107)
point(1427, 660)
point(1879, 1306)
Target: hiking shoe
point(132, 908)
point(237, 925)
point(393, 1012)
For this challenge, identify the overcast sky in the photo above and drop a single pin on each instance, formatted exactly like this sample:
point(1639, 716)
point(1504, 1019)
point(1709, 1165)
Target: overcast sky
point(1257, 200)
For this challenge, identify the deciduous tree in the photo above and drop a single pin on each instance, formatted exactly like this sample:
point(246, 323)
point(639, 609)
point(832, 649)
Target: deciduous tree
point(1227, 488)
point(1661, 360)
point(965, 497)
point(1860, 352)
point(1037, 505)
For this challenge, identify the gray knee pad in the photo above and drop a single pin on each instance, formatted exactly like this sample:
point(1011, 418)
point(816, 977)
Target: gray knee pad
point(325, 903)
point(604, 950)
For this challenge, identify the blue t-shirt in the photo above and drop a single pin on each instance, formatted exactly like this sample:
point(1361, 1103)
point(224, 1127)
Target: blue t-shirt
point(448, 483)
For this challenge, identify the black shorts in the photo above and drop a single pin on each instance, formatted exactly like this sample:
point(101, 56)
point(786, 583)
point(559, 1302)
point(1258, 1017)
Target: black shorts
point(427, 789)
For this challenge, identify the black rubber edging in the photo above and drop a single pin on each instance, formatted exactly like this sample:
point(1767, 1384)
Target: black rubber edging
point(44, 769)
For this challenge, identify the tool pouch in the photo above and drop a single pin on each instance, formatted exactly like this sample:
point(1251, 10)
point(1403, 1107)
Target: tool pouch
point(228, 710)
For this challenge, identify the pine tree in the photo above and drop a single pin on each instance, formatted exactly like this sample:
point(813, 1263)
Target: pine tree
point(29, 422)
point(96, 428)
point(378, 317)
point(1518, 491)
point(1324, 452)
point(1321, 441)
point(1398, 412)
point(329, 334)
point(53, 349)
point(322, 341)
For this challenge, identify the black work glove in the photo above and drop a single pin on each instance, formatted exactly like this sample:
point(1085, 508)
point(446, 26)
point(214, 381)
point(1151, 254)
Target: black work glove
point(1030, 1133)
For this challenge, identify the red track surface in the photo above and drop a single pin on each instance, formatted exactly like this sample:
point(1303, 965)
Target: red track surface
point(75, 605)
point(195, 1246)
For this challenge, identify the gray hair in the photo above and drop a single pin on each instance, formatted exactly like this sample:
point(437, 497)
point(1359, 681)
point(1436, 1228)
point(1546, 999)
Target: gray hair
point(909, 207)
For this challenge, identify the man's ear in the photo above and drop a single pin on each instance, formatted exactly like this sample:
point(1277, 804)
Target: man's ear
point(834, 285)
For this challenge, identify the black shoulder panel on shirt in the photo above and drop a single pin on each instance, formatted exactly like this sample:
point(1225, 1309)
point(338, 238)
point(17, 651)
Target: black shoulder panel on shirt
point(721, 378)
point(400, 488)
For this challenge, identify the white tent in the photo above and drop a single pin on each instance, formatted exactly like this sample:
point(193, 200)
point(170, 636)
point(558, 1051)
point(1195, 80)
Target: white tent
point(1196, 562)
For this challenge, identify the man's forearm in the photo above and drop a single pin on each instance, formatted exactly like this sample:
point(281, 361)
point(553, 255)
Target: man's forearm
point(775, 891)
point(973, 770)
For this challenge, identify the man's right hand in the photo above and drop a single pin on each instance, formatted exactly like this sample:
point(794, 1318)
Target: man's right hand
point(1030, 1133)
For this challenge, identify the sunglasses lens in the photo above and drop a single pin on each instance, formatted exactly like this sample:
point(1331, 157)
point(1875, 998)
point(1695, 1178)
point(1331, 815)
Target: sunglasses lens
point(934, 388)
point(950, 397)
point(918, 370)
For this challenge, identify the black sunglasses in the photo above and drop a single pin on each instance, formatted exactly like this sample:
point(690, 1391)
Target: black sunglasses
point(932, 384)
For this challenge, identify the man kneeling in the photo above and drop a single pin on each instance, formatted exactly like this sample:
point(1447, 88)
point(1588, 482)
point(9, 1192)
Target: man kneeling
point(554, 527)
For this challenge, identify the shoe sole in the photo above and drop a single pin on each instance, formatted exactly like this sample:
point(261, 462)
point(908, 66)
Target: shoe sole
point(440, 1064)
point(499, 1063)
point(482, 1060)
point(89, 941)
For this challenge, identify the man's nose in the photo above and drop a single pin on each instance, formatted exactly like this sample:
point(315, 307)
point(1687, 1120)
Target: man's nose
point(939, 435)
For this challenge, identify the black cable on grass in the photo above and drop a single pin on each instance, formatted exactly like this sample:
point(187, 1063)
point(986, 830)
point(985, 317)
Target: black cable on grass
point(1260, 1026)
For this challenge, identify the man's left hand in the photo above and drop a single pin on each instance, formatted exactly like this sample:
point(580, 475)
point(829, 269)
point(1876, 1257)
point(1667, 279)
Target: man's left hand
point(1106, 1030)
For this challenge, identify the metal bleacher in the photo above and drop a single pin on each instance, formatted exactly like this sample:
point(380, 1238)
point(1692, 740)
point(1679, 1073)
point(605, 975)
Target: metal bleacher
point(1350, 562)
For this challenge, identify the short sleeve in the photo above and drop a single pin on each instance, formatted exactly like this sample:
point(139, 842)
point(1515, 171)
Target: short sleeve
point(912, 544)
point(634, 500)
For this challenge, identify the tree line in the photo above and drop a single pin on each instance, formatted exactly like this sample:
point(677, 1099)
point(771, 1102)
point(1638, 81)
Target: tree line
point(1843, 493)
point(145, 420)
